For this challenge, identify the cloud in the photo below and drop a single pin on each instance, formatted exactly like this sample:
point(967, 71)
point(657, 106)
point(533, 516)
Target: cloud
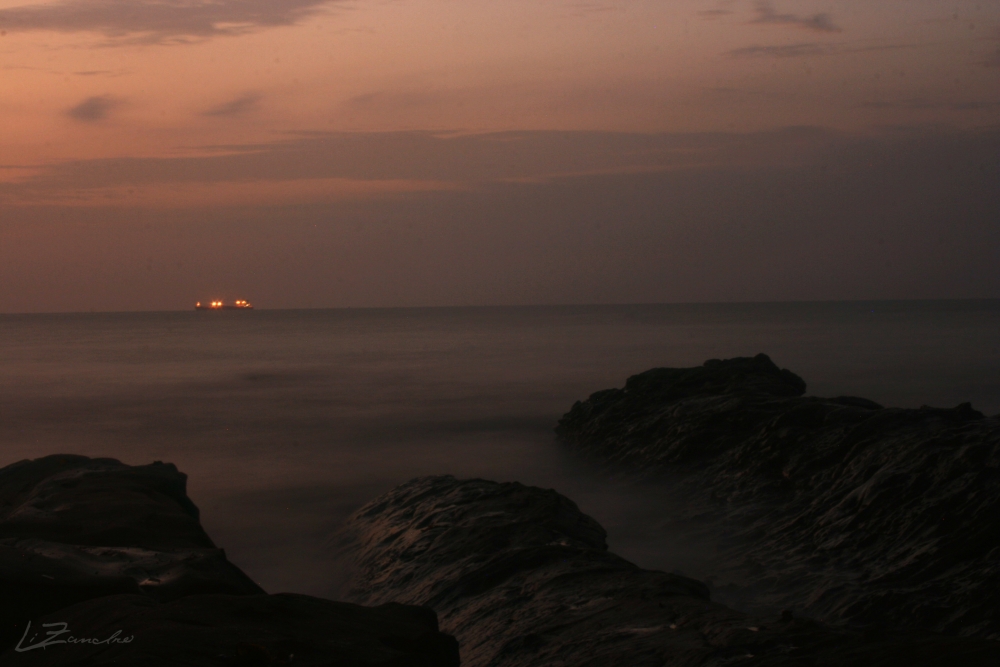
point(93, 109)
point(818, 22)
point(462, 161)
point(101, 72)
point(922, 104)
point(158, 21)
point(783, 51)
point(239, 106)
point(405, 100)
point(25, 67)
point(709, 14)
point(591, 7)
point(713, 234)
point(810, 49)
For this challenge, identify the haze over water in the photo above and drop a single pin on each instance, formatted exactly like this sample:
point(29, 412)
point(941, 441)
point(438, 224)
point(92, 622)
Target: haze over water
point(287, 421)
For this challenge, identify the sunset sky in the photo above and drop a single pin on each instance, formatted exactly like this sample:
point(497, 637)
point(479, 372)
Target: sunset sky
point(301, 153)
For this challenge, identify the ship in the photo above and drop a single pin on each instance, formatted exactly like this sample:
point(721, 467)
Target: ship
point(221, 305)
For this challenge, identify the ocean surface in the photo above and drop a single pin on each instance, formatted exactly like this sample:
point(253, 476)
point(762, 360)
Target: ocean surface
point(287, 421)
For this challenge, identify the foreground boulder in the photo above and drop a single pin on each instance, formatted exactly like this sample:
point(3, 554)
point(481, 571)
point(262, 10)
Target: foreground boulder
point(522, 578)
point(74, 528)
point(841, 509)
point(99, 502)
point(108, 548)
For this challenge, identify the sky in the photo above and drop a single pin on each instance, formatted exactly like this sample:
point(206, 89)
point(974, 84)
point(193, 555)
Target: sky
point(376, 153)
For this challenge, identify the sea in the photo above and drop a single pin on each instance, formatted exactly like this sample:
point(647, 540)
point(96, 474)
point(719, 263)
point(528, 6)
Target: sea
point(287, 421)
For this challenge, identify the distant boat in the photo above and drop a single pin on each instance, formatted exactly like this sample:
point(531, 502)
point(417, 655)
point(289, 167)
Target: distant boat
point(221, 305)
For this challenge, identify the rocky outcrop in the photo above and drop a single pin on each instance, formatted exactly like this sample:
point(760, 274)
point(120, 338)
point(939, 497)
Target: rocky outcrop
point(841, 509)
point(99, 502)
point(106, 547)
point(522, 578)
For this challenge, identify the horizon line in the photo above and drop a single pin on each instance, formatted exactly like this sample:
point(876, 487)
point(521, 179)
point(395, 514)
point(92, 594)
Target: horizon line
point(533, 306)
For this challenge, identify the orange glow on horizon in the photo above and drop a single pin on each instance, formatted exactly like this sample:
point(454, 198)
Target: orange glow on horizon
point(217, 305)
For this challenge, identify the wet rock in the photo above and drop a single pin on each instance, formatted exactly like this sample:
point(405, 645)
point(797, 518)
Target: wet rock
point(38, 577)
point(842, 509)
point(75, 528)
point(104, 547)
point(99, 502)
point(522, 578)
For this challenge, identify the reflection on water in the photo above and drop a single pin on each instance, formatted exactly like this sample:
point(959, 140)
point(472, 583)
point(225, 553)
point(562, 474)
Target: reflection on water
point(287, 421)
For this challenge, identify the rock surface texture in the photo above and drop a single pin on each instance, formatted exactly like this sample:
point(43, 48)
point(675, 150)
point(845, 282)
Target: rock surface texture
point(105, 547)
point(522, 578)
point(840, 508)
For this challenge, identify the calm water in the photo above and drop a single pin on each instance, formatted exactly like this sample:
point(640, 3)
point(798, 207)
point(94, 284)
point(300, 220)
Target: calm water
point(286, 421)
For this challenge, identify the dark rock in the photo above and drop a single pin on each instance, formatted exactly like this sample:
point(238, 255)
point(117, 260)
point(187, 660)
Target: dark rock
point(76, 528)
point(103, 547)
point(716, 376)
point(37, 577)
point(229, 630)
point(100, 502)
point(522, 578)
point(844, 510)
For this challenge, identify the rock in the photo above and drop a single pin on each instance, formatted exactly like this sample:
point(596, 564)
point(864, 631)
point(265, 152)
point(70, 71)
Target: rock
point(38, 577)
point(842, 509)
point(103, 547)
point(522, 578)
point(99, 502)
point(75, 528)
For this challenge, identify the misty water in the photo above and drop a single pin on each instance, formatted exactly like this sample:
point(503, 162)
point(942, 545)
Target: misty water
point(287, 421)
